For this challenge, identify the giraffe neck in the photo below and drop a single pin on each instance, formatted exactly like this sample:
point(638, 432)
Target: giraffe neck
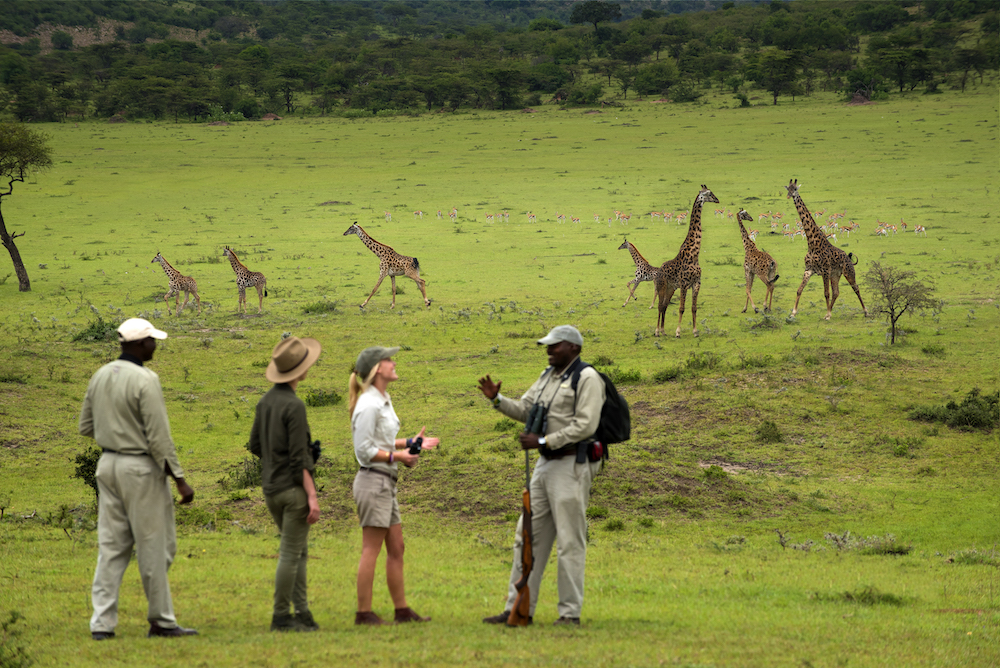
point(748, 244)
point(373, 246)
point(637, 256)
point(170, 271)
point(814, 236)
point(235, 262)
point(693, 239)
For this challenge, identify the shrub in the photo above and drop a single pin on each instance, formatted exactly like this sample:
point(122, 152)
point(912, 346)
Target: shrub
point(323, 306)
point(703, 361)
point(319, 397)
point(624, 376)
point(715, 472)
point(667, 375)
point(597, 512)
point(243, 475)
point(99, 330)
point(505, 424)
point(615, 525)
point(768, 432)
point(86, 468)
point(977, 411)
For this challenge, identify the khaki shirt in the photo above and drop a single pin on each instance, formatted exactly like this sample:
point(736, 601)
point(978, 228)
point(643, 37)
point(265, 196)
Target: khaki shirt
point(565, 425)
point(374, 426)
point(124, 411)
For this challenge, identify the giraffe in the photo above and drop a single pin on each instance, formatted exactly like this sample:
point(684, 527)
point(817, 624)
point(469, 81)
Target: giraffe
point(391, 264)
point(644, 271)
point(756, 263)
point(246, 279)
point(176, 284)
point(823, 258)
point(683, 271)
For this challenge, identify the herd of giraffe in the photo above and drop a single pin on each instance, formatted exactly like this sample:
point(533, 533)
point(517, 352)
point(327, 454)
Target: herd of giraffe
point(684, 272)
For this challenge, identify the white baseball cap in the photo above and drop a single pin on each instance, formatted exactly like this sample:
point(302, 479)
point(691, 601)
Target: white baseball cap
point(137, 329)
point(562, 333)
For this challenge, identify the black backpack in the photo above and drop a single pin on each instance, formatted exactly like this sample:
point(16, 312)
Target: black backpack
point(616, 423)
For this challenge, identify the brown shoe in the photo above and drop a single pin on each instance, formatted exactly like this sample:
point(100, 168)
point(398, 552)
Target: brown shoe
point(567, 621)
point(409, 615)
point(157, 631)
point(368, 619)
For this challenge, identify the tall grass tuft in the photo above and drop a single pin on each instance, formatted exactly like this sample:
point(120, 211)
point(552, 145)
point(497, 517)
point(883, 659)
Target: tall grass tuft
point(768, 432)
point(243, 475)
point(977, 411)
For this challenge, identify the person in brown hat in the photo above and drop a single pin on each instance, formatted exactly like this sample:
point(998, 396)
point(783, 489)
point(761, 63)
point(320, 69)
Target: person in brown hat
point(280, 437)
point(374, 426)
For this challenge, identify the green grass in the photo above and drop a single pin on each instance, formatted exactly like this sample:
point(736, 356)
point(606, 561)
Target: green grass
point(666, 581)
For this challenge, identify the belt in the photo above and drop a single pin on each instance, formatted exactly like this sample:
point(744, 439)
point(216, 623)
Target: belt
point(380, 472)
point(130, 454)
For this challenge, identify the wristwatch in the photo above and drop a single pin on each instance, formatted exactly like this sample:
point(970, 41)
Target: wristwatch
point(496, 400)
point(541, 441)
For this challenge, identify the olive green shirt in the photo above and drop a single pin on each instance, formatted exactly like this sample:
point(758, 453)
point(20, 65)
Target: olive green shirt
point(124, 411)
point(565, 425)
point(280, 437)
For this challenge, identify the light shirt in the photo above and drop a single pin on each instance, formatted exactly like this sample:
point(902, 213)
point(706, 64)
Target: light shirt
point(374, 426)
point(124, 411)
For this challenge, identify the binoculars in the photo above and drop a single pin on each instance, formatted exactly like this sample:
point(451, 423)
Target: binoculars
point(537, 420)
point(416, 446)
point(315, 450)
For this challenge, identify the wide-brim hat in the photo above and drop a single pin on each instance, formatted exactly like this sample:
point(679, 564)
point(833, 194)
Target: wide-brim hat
point(291, 358)
point(370, 357)
point(562, 333)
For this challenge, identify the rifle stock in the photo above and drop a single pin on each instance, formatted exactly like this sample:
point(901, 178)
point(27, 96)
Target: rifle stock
point(521, 611)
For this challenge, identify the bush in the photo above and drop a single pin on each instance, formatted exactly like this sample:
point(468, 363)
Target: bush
point(323, 306)
point(768, 432)
point(624, 376)
point(977, 411)
point(86, 468)
point(99, 330)
point(715, 472)
point(243, 475)
point(667, 375)
point(322, 398)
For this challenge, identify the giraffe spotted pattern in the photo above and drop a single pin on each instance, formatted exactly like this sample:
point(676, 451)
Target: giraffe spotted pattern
point(391, 264)
point(176, 284)
point(247, 279)
point(756, 263)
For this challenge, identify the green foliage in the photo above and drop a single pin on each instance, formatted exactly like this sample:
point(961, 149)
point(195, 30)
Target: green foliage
point(86, 468)
point(976, 557)
point(595, 512)
point(506, 424)
point(614, 524)
point(320, 397)
point(243, 475)
point(620, 376)
point(768, 432)
point(12, 653)
point(977, 411)
point(668, 375)
point(863, 596)
point(10, 377)
point(98, 330)
point(322, 306)
point(715, 473)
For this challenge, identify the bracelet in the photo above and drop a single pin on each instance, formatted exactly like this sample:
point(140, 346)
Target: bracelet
point(409, 442)
point(390, 457)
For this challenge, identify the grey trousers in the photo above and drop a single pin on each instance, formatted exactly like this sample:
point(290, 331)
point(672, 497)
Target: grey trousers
point(560, 491)
point(290, 509)
point(135, 508)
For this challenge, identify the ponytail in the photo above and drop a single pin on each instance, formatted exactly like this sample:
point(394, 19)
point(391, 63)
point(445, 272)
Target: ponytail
point(356, 389)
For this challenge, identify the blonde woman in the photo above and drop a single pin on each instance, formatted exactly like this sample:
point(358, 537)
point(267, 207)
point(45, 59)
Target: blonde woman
point(374, 426)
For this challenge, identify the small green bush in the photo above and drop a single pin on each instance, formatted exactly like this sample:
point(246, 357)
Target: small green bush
point(243, 475)
point(323, 306)
point(86, 468)
point(768, 432)
point(505, 424)
point(934, 350)
point(715, 472)
point(668, 375)
point(615, 525)
point(99, 330)
point(320, 397)
point(597, 512)
point(705, 361)
point(863, 596)
point(977, 411)
point(624, 376)
point(18, 379)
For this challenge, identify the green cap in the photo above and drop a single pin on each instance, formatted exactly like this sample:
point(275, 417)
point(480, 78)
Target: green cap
point(370, 357)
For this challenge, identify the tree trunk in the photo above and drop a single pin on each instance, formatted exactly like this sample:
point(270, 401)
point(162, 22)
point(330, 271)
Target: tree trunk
point(24, 284)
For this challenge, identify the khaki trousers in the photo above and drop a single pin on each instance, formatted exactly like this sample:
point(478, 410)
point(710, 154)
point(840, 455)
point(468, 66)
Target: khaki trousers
point(290, 509)
point(560, 491)
point(135, 508)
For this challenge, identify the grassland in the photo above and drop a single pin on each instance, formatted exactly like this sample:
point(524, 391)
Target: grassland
point(804, 421)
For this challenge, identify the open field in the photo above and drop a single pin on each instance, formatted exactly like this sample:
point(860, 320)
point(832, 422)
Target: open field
point(690, 564)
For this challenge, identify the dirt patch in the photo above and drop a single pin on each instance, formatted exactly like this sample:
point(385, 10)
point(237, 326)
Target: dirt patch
point(736, 468)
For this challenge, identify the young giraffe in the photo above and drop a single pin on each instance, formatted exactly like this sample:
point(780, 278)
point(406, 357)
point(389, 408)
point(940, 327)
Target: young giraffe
point(176, 284)
point(756, 263)
point(391, 264)
point(683, 271)
point(246, 279)
point(644, 271)
point(823, 257)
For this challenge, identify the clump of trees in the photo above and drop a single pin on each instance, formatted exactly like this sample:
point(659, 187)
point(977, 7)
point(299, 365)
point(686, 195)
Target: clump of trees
point(252, 57)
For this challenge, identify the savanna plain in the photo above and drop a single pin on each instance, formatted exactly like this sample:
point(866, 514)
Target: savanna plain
point(777, 504)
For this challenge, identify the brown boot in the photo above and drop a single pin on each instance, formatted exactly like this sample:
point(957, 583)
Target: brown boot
point(409, 615)
point(368, 619)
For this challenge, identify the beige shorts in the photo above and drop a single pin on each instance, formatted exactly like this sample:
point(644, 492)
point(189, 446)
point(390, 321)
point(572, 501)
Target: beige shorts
point(375, 495)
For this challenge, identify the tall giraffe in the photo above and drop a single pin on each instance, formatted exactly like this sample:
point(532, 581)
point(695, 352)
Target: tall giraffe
point(644, 271)
point(390, 264)
point(246, 279)
point(683, 271)
point(756, 263)
point(176, 284)
point(823, 257)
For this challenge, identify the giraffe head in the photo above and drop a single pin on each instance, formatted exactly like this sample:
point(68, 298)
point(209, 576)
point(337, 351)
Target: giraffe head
point(227, 252)
point(158, 258)
point(743, 215)
point(707, 195)
point(353, 229)
point(792, 188)
point(624, 245)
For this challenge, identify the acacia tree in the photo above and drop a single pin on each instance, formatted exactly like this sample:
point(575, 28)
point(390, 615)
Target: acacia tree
point(595, 11)
point(22, 152)
point(896, 292)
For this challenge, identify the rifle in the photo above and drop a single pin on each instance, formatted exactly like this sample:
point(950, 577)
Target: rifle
point(522, 603)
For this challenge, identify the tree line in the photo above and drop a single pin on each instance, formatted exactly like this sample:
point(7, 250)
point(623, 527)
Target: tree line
point(251, 58)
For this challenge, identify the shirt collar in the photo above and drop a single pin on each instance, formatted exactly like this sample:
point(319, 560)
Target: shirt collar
point(130, 358)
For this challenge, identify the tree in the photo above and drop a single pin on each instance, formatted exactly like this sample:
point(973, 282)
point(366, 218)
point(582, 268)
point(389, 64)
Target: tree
point(595, 11)
point(896, 292)
point(22, 152)
point(774, 70)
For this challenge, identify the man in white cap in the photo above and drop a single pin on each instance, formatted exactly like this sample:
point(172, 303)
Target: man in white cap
point(125, 413)
point(561, 482)
point(280, 437)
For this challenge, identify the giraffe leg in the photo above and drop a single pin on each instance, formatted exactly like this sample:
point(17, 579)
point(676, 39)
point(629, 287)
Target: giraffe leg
point(654, 299)
point(392, 280)
point(187, 297)
point(798, 295)
point(260, 299)
point(633, 285)
point(834, 290)
point(850, 279)
point(375, 289)
point(749, 277)
point(680, 312)
point(826, 293)
point(694, 308)
point(422, 284)
point(198, 299)
point(663, 295)
point(241, 307)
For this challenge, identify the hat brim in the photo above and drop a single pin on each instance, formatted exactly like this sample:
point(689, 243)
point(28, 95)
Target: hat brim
point(158, 334)
point(313, 349)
